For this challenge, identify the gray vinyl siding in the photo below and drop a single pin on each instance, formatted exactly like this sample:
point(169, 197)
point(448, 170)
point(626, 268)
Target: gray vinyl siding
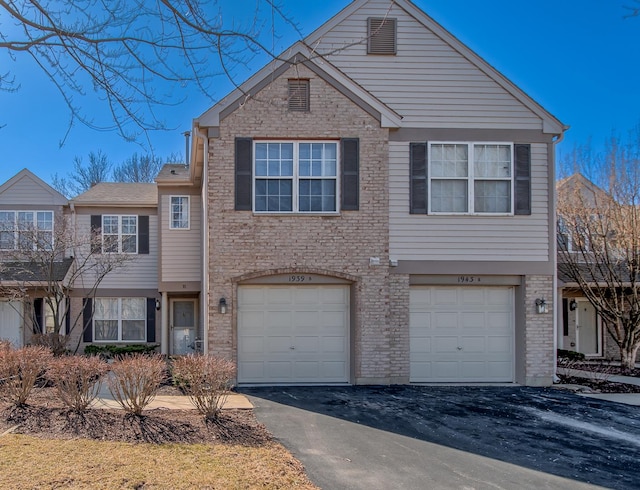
point(139, 273)
point(181, 249)
point(428, 82)
point(428, 237)
point(25, 192)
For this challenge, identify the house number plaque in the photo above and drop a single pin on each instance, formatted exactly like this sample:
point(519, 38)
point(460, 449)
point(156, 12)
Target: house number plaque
point(469, 279)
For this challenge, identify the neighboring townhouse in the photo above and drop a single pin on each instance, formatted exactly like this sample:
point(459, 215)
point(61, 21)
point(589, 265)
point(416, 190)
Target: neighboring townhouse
point(380, 209)
point(30, 211)
point(125, 308)
point(580, 327)
point(180, 251)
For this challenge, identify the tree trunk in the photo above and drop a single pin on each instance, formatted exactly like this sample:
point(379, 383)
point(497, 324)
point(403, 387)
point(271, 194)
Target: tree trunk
point(628, 357)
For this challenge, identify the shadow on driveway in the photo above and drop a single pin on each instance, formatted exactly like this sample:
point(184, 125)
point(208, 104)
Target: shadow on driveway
point(545, 430)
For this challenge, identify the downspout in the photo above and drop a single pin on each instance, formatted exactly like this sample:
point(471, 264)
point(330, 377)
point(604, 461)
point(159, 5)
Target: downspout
point(556, 331)
point(205, 238)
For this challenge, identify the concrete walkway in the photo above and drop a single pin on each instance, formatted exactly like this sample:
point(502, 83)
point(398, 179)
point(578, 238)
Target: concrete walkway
point(233, 401)
point(171, 402)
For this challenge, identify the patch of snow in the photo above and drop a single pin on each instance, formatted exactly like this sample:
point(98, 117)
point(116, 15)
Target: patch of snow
point(609, 432)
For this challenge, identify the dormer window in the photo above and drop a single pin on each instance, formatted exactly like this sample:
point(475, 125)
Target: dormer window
point(298, 95)
point(381, 35)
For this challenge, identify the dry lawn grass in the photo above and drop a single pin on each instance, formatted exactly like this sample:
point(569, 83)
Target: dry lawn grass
point(35, 463)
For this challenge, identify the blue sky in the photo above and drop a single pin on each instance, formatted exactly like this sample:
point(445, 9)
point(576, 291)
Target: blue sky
point(580, 59)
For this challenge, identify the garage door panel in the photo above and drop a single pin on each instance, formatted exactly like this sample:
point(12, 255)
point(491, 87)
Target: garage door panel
point(278, 344)
point(420, 346)
point(307, 344)
point(471, 296)
point(253, 344)
point(445, 320)
point(445, 344)
point(472, 336)
point(499, 345)
point(472, 344)
point(445, 370)
point(335, 345)
point(473, 320)
point(445, 296)
point(313, 320)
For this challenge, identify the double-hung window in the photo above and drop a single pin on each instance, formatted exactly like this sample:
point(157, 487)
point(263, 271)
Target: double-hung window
point(120, 320)
point(179, 213)
point(26, 230)
point(471, 178)
point(119, 234)
point(295, 177)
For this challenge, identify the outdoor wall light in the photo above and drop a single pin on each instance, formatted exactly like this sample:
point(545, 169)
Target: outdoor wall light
point(541, 305)
point(573, 305)
point(158, 304)
point(222, 306)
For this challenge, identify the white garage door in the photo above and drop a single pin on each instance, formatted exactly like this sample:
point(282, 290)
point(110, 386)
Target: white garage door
point(461, 334)
point(10, 322)
point(293, 334)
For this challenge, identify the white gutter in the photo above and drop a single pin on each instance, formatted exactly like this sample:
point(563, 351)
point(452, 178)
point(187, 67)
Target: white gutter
point(205, 239)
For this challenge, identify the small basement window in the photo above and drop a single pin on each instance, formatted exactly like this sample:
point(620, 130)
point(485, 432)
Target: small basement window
point(381, 35)
point(298, 95)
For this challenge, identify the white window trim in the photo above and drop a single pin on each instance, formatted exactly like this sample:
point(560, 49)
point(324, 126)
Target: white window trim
point(119, 340)
point(171, 224)
point(35, 226)
point(470, 178)
point(120, 234)
point(296, 178)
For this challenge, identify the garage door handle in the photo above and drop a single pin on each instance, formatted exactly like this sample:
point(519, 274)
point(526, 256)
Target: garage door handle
point(459, 348)
point(292, 347)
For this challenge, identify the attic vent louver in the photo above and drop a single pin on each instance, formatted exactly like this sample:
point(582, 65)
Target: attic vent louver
point(299, 95)
point(381, 35)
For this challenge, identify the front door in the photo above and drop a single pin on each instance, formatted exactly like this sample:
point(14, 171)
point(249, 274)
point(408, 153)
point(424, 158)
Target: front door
point(183, 326)
point(588, 330)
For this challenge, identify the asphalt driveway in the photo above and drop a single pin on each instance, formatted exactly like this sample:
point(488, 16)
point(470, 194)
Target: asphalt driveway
point(453, 437)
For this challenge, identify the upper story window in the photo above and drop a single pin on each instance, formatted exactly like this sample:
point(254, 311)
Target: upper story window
point(26, 230)
point(179, 213)
point(119, 234)
point(295, 177)
point(470, 178)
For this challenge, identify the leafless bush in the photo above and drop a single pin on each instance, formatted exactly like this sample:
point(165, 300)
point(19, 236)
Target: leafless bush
point(55, 342)
point(206, 380)
point(19, 370)
point(77, 379)
point(134, 381)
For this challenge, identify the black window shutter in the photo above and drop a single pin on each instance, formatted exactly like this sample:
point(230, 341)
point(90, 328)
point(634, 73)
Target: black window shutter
point(143, 234)
point(522, 183)
point(244, 174)
point(96, 233)
point(87, 317)
point(565, 316)
point(350, 151)
point(37, 315)
point(151, 319)
point(67, 317)
point(418, 178)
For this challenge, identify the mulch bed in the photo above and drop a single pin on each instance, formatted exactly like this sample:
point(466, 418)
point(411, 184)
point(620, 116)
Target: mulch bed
point(46, 417)
point(599, 382)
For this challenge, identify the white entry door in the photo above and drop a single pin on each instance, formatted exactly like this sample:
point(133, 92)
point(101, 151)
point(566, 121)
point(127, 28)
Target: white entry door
point(461, 334)
point(183, 326)
point(293, 334)
point(588, 333)
point(11, 321)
